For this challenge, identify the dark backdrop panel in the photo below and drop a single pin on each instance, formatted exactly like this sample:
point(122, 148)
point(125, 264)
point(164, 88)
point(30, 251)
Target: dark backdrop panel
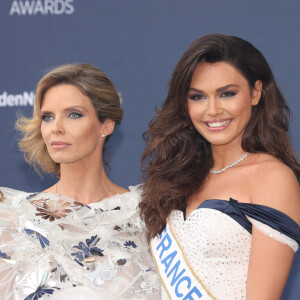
point(137, 43)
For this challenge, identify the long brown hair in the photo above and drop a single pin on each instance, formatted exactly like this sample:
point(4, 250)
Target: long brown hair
point(177, 158)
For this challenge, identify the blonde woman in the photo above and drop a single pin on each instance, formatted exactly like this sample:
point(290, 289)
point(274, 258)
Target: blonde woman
point(81, 238)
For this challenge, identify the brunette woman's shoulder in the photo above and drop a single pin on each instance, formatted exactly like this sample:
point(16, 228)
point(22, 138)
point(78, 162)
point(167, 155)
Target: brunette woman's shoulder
point(276, 186)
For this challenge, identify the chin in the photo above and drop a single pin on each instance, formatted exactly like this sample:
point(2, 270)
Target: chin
point(60, 160)
point(219, 142)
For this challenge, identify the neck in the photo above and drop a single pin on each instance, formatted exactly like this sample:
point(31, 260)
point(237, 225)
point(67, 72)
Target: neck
point(226, 155)
point(85, 183)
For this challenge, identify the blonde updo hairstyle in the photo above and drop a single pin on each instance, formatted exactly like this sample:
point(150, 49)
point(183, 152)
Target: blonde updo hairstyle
point(93, 83)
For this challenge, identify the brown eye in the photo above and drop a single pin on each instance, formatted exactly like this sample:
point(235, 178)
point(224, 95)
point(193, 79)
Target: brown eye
point(228, 94)
point(196, 97)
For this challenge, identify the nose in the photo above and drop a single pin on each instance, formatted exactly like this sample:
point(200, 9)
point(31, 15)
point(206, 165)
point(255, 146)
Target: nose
point(213, 107)
point(58, 127)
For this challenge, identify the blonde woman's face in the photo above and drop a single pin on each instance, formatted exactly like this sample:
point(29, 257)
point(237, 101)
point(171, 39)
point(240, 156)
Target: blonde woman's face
point(70, 127)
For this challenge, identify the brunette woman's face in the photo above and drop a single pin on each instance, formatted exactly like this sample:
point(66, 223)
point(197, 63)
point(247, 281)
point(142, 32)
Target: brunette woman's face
point(70, 127)
point(220, 101)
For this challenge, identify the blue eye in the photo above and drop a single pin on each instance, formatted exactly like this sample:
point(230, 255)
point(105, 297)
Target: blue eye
point(228, 94)
point(47, 117)
point(196, 97)
point(75, 115)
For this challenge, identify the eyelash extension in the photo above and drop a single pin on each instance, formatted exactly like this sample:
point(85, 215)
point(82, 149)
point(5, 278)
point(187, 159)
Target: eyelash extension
point(194, 96)
point(79, 115)
point(199, 97)
point(45, 116)
point(228, 94)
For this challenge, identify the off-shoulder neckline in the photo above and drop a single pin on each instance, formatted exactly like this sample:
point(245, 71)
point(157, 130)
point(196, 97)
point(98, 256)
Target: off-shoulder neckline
point(246, 204)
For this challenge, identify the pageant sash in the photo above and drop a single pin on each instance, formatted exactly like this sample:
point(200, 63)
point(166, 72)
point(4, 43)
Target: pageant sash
point(178, 278)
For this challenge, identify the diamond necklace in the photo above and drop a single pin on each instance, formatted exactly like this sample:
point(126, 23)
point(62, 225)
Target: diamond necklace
point(229, 166)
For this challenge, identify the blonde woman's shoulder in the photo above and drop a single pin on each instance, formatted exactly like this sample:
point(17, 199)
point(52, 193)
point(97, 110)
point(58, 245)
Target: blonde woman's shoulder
point(11, 195)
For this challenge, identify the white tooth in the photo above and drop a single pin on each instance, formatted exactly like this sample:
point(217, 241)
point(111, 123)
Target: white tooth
point(218, 124)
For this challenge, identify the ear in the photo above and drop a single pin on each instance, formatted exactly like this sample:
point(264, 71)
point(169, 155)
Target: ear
point(107, 128)
point(256, 92)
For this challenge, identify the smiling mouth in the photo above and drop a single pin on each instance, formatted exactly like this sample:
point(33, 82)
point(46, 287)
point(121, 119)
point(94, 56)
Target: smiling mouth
point(217, 124)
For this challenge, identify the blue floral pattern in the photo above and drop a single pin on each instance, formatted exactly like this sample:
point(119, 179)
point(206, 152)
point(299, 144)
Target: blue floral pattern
point(43, 240)
point(40, 292)
point(87, 251)
point(4, 255)
point(129, 244)
point(59, 245)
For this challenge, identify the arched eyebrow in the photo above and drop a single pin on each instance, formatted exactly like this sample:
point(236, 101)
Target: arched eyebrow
point(220, 89)
point(228, 86)
point(75, 107)
point(67, 109)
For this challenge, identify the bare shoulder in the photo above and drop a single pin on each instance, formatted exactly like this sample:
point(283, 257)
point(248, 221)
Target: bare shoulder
point(276, 185)
point(117, 189)
point(51, 189)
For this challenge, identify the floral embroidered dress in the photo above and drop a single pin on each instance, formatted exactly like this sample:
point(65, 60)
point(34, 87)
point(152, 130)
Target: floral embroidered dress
point(53, 247)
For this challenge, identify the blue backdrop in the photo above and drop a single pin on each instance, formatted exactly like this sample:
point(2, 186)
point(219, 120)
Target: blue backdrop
point(137, 43)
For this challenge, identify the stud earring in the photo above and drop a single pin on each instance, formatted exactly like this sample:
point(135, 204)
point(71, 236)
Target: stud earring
point(103, 135)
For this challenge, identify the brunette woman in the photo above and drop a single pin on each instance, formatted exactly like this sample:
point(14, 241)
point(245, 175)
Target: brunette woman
point(221, 198)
